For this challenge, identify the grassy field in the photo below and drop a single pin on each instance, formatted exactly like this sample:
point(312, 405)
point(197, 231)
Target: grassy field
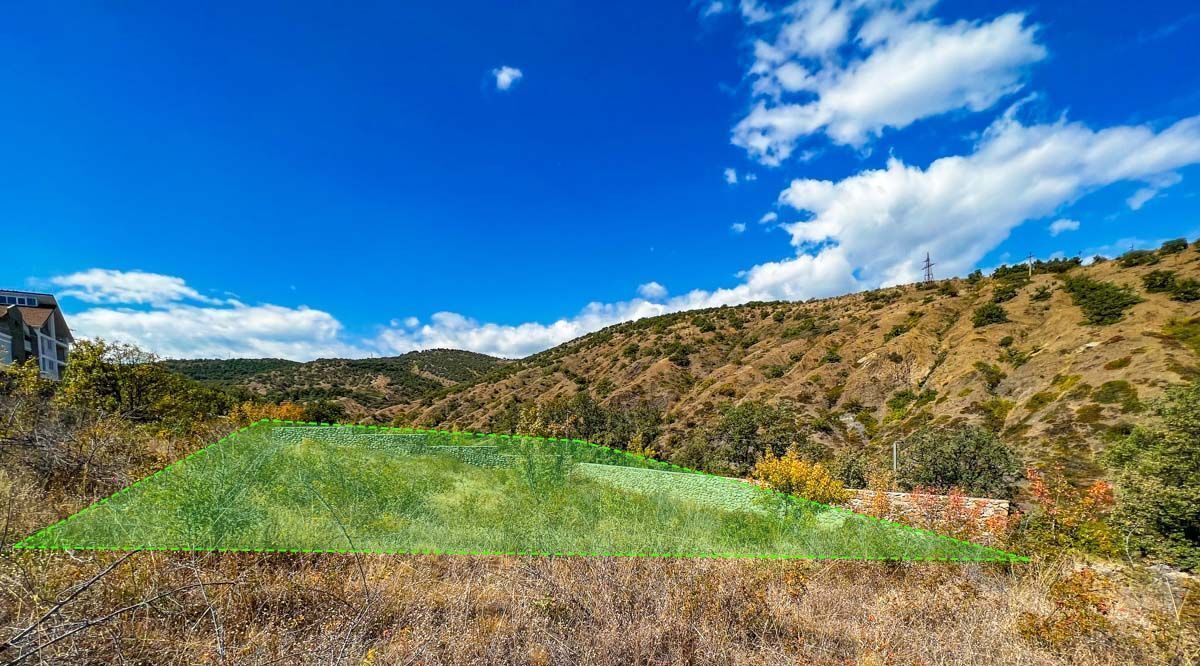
point(282, 488)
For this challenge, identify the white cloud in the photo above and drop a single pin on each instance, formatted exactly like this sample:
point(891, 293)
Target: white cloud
point(901, 70)
point(507, 77)
point(737, 227)
point(174, 320)
point(1063, 224)
point(1156, 185)
point(714, 8)
point(652, 291)
point(768, 217)
point(731, 176)
point(189, 331)
point(960, 207)
point(100, 285)
point(750, 177)
point(754, 11)
point(868, 229)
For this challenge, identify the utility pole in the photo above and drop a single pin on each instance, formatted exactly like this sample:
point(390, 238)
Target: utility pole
point(1029, 260)
point(896, 454)
point(928, 269)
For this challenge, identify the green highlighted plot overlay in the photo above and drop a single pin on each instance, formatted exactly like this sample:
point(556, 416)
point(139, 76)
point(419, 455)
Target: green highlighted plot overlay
point(281, 486)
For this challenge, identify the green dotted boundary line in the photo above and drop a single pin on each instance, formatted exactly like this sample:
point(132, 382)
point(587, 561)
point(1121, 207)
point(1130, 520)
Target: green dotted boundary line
point(994, 554)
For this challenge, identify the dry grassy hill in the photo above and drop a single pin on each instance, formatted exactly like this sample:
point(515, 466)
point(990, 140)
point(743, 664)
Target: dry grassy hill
point(874, 365)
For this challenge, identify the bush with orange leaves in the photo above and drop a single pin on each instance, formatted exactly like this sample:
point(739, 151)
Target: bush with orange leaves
point(1065, 516)
point(792, 475)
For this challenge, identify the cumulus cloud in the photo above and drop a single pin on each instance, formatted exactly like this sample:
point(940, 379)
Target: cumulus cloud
point(960, 207)
point(731, 176)
point(162, 314)
point(901, 69)
point(101, 285)
point(768, 217)
point(235, 331)
point(1059, 226)
point(737, 227)
point(652, 291)
point(507, 77)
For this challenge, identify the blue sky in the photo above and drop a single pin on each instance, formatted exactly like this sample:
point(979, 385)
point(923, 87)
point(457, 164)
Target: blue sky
point(307, 181)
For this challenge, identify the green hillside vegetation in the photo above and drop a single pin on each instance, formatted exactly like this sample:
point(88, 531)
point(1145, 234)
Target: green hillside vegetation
point(358, 384)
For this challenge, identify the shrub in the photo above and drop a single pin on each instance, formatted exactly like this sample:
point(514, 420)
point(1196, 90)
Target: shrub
point(1173, 246)
point(1040, 400)
point(895, 332)
point(1186, 331)
point(1118, 363)
point(1004, 292)
point(1081, 602)
point(1186, 290)
point(1118, 391)
point(774, 371)
point(1065, 515)
point(988, 314)
point(1102, 303)
point(792, 475)
point(1137, 258)
point(947, 288)
point(831, 356)
point(1157, 282)
point(966, 457)
point(1007, 341)
point(851, 467)
point(1157, 473)
point(990, 374)
point(1042, 293)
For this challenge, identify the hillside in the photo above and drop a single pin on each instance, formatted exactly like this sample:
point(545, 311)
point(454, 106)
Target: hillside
point(873, 366)
point(359, 384)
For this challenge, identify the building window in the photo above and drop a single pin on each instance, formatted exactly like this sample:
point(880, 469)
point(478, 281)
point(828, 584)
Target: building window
point(6, 354)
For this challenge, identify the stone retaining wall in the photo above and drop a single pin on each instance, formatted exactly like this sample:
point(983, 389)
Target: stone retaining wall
point(925, 509)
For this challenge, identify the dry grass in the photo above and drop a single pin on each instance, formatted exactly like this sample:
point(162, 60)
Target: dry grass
point(451, 610)
point(329, 609)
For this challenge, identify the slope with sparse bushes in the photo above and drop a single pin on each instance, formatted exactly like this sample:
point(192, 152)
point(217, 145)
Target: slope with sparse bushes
point(1057, 363)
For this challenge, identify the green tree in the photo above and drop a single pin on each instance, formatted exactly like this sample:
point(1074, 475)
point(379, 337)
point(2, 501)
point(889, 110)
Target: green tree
point(1157, 282)
point(1102, 302)
point(988, 314)
point(1173, 246)
point(745, 432)
point(1157, 474)
point(970, 458)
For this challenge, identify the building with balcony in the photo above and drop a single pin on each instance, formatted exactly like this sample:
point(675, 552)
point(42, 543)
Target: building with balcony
point(32, 327)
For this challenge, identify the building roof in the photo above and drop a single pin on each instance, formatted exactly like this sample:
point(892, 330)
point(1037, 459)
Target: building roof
point(47, 307)
point(35, 317)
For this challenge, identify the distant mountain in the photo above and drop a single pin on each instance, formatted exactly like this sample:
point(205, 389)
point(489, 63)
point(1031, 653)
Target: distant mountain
point(362, 385)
